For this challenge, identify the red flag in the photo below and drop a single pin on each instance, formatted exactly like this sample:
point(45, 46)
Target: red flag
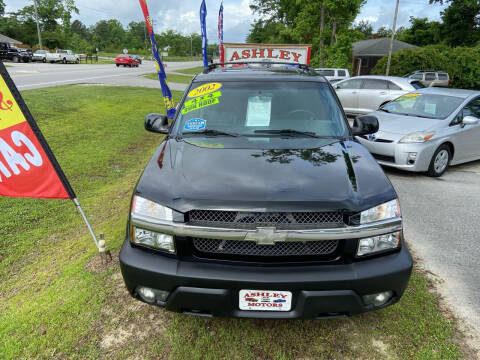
point(28, 167)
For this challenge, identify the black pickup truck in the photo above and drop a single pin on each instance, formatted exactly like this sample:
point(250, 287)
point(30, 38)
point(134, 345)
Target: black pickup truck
point(12, 53)
point(259, 203)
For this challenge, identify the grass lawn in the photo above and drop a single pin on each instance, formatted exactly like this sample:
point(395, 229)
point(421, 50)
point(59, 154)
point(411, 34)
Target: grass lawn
point(57, 302)
point(191, 71)
point(183, 79)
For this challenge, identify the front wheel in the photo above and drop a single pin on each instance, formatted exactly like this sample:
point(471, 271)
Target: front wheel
point(118, 65)
point(440, 161)
point(77, 61)
point(64, 60)
point(44, 60)
point(15, 59)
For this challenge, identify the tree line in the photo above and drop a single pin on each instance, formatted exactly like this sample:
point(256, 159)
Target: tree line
point(329, 26)
point(59, 31)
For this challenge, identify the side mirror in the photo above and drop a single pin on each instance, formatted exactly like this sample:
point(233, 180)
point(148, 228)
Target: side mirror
point(157, 123)
point(364, 125)
point(336, 87)
point(469, 120)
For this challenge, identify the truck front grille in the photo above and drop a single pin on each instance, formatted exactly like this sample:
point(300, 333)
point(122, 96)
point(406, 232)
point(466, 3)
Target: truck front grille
point(251, 220)
point(250, 248)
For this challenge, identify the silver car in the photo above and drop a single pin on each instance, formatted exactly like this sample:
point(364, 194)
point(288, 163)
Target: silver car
point(364, 94)
point(427, 130)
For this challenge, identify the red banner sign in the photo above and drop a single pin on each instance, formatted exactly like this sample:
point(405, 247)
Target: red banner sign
point(28, 167)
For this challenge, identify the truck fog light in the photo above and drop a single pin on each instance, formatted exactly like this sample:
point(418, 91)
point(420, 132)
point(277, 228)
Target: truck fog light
point(411, 158)
point(375, 244)
point(378, 299)
point(153, 239)
point(150, 295)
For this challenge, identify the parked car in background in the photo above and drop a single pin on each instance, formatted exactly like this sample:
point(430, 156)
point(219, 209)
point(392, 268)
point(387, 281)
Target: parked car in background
point(126, 60)
point(332, 74)
point(53, 57)
point(138, 58)
point(67, 56)
point(40, 55)
point(431, 78)
point(12, 53)
point(427, 130)
point(364, 94)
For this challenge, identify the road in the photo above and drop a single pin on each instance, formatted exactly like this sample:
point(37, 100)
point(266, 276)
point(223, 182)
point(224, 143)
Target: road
point(442, 227)
point(442, 215)
point(38, 75)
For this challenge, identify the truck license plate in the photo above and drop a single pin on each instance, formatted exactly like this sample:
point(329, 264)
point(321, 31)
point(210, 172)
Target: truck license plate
point(265, 300)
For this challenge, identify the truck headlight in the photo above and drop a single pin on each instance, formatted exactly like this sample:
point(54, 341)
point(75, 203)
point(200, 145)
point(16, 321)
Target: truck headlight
point(383, 211)
point(147, 208)
point(371, 245)
point(417, 137)
point(153, 239)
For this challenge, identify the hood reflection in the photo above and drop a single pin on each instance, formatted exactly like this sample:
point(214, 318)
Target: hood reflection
point(316, 157)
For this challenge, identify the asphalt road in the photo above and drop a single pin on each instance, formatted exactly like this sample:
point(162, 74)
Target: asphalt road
point(38, 75)
point(442, 215)
point(442, 227)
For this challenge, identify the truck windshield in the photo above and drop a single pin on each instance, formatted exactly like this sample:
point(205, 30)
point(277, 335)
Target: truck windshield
point(261, 109)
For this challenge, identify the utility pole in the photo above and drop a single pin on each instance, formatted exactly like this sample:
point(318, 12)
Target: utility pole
point(322, 28)
point(391, 40)
point(191, 46)
point(38, 25)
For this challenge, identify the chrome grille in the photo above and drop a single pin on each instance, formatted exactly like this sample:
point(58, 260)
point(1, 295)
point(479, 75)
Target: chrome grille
point(250, 248)
point(251, 220)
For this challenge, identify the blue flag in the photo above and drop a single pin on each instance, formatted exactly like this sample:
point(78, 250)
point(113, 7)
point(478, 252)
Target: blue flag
point(162, 77)
point(203, 26)
point(220, 33)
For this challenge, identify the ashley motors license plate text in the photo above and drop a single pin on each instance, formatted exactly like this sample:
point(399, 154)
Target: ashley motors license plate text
point(265, 300)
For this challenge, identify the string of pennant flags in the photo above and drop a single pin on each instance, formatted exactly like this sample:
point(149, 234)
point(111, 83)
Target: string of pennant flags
point(28, 167)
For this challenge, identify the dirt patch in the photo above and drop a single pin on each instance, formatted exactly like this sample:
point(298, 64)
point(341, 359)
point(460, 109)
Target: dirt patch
point(97, 265)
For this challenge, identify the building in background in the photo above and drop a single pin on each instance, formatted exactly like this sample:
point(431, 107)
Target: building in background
point(9, 40)
point(366, 53)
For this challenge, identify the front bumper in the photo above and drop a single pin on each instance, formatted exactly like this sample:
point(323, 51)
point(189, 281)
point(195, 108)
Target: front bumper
point(395, 154)
point(212, 288)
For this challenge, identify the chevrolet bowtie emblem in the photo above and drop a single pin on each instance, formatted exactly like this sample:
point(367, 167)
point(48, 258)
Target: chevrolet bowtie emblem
point(266, 236)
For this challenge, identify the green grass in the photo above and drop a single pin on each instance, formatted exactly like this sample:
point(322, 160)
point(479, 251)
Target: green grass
point(53, 306)
point(191, 71)
point(175, 78)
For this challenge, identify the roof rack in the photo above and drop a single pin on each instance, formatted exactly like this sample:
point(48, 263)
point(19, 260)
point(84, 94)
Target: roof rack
point(267, 64)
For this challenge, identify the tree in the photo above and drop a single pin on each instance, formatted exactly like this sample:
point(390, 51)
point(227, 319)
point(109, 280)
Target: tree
point(461, 22)
point(2, 8)
point(421, 32)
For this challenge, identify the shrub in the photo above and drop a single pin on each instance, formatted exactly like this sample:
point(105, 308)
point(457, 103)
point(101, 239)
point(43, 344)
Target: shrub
point(461, 63)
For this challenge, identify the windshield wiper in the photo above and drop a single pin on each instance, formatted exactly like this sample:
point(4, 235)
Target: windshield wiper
point(287, 131)
point(211, 132)
point(387, 111)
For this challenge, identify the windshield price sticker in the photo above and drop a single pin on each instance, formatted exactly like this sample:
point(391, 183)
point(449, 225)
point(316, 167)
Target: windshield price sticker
point(201, 102)
point(265, 300)
point(195, 124)
point(204, 89)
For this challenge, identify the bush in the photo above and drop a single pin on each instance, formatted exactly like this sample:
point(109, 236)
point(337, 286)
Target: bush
point(461, 63)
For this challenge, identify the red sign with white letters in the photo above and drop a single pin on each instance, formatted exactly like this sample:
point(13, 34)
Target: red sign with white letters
point(28, 167)
point(288, 53)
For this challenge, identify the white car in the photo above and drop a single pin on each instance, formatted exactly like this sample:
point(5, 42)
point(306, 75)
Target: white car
point(365, 94)
point(332, 74)
point(67, 56)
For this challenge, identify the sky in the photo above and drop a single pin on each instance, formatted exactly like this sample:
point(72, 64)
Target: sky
point(182, 15)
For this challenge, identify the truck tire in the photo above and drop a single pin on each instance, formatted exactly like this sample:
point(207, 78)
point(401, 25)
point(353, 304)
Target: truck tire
point(64, 60)
point(15, 59)
point(77, 61)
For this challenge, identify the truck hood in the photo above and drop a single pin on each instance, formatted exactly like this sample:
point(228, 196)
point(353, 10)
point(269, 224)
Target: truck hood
point(337, 176)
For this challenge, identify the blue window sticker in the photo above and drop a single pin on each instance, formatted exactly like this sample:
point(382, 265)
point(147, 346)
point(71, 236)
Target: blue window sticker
point(195, 124)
